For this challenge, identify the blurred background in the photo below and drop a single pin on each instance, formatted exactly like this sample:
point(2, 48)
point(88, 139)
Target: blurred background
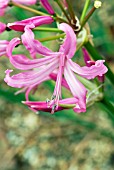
point(65, 140)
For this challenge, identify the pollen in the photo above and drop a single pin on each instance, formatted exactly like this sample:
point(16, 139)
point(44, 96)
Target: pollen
point(97, 4)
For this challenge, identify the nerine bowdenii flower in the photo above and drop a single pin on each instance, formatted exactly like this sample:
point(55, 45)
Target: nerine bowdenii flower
point(39, 70)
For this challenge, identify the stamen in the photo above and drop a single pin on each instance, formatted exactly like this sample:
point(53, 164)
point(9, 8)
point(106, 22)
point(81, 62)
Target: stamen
point(48, 103)
point(53, 97)
point(53, 108)
point(47, 100)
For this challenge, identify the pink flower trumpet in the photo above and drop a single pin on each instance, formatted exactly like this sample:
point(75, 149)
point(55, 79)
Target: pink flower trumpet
point(2, 27)
point(37, 21)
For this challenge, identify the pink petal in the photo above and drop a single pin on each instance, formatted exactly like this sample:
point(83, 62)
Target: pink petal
point(47, 6)
point(25, 2)
point(3, 46)
point(34, 86)
point(77, 89)
point(29, 78)
point(21, 62)
point(2, 27)
point(86, 57)
point(89, 63)
point(34, 46)
point(43, 106)
point(37, 21)
point(3, 6)
point(69, 45)
point(89, 72)
point(53, 76)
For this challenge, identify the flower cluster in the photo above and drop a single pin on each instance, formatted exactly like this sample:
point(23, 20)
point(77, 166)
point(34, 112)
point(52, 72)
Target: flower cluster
point(57, 66)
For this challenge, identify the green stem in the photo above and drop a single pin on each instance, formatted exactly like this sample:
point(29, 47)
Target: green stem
point(108, 107)
point(84, 10)
point(51, 38)
point(65, 13)
point(59, 19)
point(88, 16)
point(68, 106)
point(71, 11)
point(95, 55)
point(28, 9)
point(46, 29)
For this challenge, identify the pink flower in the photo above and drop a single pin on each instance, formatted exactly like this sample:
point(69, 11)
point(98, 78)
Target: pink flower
point(2, 27)
point(3, 46)
point(46, 67)
point(47, 6)
point(37, 21)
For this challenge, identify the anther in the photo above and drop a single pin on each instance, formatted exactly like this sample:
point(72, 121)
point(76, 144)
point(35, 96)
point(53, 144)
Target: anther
point(53, 97)
point(47, 100)
point(53, 108)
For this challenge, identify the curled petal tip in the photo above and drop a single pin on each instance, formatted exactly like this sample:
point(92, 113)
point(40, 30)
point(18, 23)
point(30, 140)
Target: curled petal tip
point(69, 45)
point(8, 71)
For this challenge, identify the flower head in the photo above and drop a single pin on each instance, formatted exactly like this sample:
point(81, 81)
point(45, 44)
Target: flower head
point(59, 62)
point(89, 63)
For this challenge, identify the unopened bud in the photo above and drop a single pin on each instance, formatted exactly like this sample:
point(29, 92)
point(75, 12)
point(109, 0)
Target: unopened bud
point(97, 4)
